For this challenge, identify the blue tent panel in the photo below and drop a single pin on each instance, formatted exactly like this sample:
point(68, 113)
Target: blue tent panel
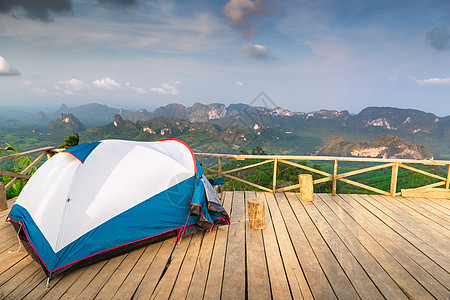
point(166, 210)
point(82, 151)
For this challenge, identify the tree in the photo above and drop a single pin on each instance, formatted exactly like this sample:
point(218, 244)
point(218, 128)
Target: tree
point(258, 151)
point(70, 141)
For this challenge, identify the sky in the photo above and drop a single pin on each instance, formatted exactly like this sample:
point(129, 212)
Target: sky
point(305, 55)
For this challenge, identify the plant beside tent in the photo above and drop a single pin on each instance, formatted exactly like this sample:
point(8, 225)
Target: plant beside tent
point(70, 141)
point(23, 162)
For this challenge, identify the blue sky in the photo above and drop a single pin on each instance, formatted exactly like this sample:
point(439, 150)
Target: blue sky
point(305, 55)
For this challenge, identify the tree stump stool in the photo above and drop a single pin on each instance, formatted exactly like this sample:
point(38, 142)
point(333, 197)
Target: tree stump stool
point(256, 213)
point(306, 187)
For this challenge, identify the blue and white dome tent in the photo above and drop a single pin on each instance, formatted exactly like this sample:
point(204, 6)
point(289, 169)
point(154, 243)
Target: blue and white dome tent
point(98, 200)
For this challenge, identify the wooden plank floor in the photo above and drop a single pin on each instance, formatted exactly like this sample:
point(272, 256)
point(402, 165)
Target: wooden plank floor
point(344, 247)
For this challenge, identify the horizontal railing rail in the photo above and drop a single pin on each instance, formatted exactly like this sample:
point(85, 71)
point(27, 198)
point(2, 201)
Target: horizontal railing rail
point(383, 163)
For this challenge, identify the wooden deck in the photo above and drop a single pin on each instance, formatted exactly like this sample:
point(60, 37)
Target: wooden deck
point(346, 247)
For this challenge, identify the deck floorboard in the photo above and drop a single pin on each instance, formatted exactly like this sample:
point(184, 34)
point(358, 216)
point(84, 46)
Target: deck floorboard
point(288, 242)
point(427, 210)
point(344, 247)
point(443, 203)
point(417, 264)
point(258, 286)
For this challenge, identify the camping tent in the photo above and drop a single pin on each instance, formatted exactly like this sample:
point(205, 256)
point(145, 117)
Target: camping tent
point(98, 200)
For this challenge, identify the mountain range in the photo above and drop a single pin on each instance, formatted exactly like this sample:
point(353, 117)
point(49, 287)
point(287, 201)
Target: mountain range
point(396, 119)
point(240, 127)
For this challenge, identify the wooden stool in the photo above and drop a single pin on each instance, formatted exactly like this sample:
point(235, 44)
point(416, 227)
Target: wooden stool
point(256, 213)
point(306, 187)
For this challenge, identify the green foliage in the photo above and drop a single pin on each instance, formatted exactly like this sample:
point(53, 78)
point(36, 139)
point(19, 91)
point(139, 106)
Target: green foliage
point(70, 141)
point(23, 162)
point(17, 187)
point(258, 151)
point(261, 175)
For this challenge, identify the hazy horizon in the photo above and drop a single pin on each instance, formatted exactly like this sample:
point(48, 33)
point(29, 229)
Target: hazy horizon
point(53, 109)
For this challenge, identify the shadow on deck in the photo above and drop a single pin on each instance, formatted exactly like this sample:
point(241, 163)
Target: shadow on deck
point(346, 246)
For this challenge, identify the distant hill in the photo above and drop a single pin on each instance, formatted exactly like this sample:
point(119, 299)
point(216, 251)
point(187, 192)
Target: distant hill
point(388, 146)
point(205, 112)
point(396, 119)
point(118, 129)
point(202, 136)
point(40, 116)
point(67, 122)
point(173, 110)
point(21, 116)
point(91, 114)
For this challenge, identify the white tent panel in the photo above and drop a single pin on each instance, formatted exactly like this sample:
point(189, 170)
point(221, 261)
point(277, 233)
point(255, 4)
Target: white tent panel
point(51, 181)
point(66, 198)
point(115, 178)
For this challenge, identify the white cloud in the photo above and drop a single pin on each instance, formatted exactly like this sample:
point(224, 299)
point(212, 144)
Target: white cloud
point(71, 86)
point(239, 83)
point(137, 89)
point(166, 88)
point(6, 68)
point(256, 51)
point(106, 83)
point(433, 81)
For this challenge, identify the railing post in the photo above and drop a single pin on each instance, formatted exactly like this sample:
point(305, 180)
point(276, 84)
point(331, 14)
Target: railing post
point(447, 183)
point(219, 169)
point(334, 177)
point(3, 204)
point(274, 186)
point(394, 177)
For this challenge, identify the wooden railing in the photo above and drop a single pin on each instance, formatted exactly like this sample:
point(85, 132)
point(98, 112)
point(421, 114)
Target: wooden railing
point(45, 152)
point(394, 164)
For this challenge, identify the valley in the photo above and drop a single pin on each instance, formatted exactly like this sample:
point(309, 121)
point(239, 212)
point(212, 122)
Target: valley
point(232, 129)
